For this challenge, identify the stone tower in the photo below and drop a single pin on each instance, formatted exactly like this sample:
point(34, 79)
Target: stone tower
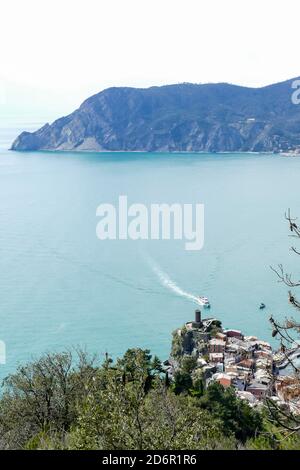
point(198, 321)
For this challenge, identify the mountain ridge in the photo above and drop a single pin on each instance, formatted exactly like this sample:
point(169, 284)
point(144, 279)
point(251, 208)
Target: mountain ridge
point(211, 117)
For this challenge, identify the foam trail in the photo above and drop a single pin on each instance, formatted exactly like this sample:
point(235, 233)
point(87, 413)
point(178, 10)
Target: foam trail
point(167, 282)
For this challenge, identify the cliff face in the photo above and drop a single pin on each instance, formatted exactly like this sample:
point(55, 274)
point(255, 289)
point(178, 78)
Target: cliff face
point(192, 338)
point(211, 117)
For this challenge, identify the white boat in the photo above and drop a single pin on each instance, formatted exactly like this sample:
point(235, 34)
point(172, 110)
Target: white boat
point(204, 302)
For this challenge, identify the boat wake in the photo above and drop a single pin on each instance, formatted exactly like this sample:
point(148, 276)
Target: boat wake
point(167, 282)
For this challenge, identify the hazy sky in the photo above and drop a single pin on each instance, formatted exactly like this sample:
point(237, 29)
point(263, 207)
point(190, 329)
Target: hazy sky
point(55, 53)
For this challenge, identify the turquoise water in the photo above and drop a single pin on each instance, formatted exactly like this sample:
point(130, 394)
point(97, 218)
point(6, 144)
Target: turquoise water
point(60, 286)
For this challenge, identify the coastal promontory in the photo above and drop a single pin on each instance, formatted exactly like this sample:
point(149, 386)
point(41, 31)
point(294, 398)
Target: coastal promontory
point(177, 118)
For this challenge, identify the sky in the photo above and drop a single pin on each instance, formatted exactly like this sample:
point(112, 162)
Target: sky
point(56, 53)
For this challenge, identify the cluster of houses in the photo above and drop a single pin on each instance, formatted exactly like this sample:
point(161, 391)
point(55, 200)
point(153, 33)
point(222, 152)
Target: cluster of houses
point(244, 362)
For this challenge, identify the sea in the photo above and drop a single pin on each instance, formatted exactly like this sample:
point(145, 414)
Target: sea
point(63, 288)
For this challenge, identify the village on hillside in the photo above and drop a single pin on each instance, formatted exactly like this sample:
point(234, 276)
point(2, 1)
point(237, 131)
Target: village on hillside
point(244, 362)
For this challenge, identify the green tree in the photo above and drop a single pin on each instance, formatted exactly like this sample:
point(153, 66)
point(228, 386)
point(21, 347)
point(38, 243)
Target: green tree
point(188, 364)
point(42, 397)
point(236, 415)
point(123, 416)
point(182, 382)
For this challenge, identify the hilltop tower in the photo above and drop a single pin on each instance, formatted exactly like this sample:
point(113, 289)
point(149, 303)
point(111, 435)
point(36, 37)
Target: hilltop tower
point(198, 321)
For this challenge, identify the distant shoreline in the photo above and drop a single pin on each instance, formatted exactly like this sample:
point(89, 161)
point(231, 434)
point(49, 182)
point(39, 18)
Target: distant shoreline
point(158, 152)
